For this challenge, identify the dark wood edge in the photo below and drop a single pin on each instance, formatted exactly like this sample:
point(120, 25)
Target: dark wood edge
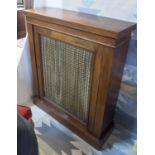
point(94, 87)
point(39, 62)
point(106, 65)
point(33, 58)
point(79, 130)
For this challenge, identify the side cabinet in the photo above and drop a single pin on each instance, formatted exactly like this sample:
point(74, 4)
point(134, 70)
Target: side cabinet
point(77, 62)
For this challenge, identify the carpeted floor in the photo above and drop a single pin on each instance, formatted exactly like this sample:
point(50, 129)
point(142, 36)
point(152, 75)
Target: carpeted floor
point(55, 139)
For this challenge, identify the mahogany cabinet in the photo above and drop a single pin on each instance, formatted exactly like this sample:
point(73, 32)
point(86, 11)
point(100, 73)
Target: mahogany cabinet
point(77, 62)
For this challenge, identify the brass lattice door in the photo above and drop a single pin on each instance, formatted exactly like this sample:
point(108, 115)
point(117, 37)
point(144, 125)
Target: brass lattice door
point(66, 70)
point(66, 75)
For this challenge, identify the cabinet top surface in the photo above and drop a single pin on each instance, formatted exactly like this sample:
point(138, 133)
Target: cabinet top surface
point(94, 24)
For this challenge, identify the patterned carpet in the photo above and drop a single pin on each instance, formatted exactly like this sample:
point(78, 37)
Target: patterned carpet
point(55, 139)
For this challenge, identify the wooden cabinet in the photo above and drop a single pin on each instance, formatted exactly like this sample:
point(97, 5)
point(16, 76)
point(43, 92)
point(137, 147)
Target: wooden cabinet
point(77, 62)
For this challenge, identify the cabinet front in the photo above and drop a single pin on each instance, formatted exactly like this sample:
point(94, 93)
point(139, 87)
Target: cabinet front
point(66, 71)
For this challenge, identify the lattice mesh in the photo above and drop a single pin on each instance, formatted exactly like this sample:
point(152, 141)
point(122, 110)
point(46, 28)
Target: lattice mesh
point(66, 74)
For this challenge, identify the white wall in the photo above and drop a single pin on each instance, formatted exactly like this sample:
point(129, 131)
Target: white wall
point(39, 3)
point(119, 9)
point(55, 3)
point(24, 75)
point(48, 3)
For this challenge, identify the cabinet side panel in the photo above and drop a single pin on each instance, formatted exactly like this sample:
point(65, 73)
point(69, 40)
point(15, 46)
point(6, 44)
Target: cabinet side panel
point(119, 58)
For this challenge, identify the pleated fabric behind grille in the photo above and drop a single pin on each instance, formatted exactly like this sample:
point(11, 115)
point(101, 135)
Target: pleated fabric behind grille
point(66, 75)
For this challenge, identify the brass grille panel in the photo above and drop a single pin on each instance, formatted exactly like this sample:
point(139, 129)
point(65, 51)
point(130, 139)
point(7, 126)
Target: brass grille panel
point(66, 75)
